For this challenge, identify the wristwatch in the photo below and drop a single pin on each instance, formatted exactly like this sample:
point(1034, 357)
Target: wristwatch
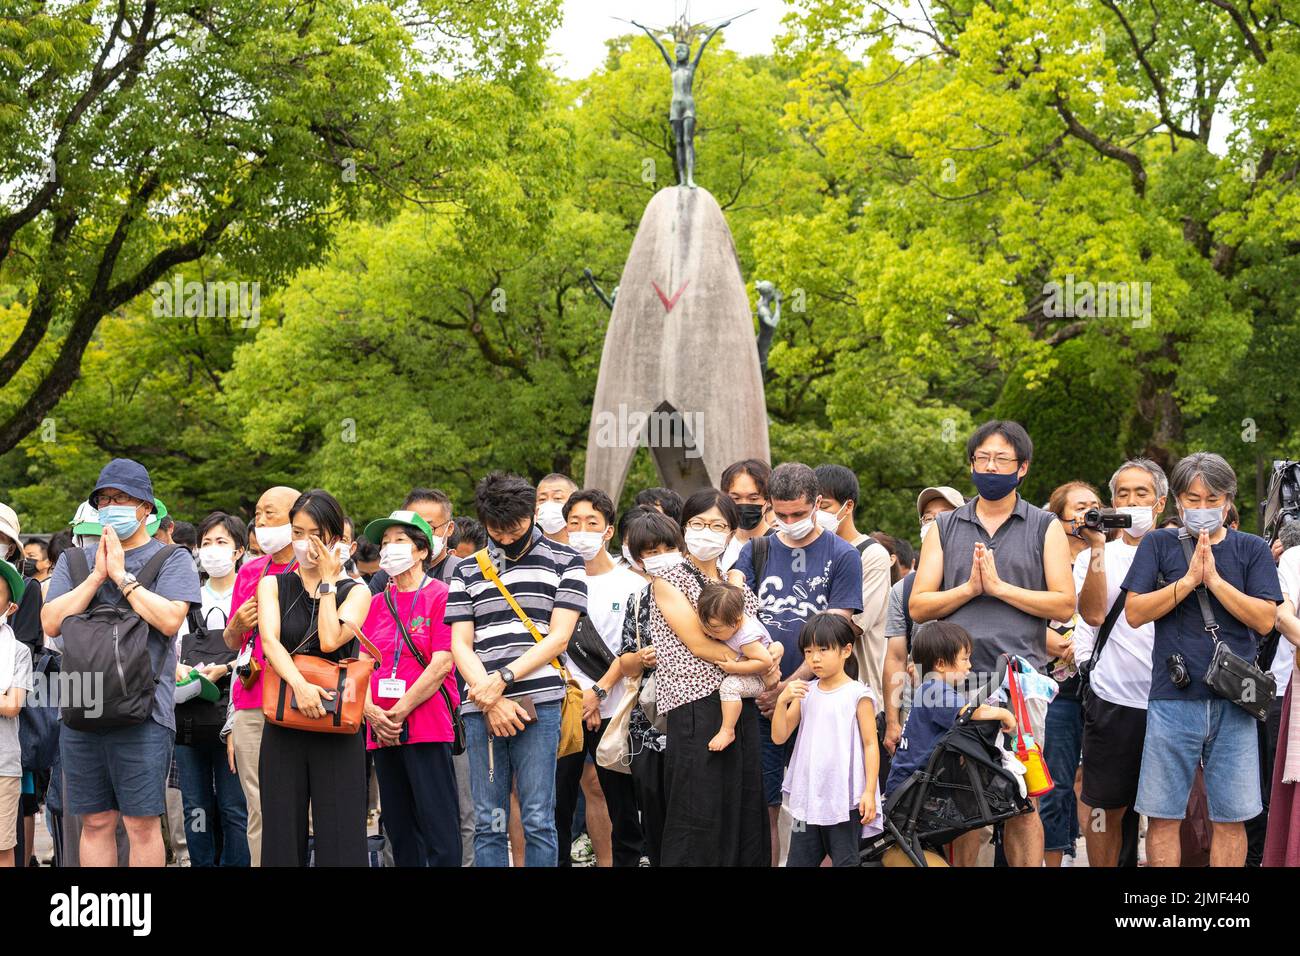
point(128, 583)
point(601, 693)
point(506, 675)
point(324, 588)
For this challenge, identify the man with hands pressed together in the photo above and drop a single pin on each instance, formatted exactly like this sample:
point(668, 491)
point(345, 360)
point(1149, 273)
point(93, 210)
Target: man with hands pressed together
point(1188, 724)
point(1000, 568)
point(512, 716)
point(123, 771)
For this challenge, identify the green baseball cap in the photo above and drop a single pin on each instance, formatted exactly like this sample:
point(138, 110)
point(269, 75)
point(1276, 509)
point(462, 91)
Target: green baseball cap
point(86, 521)
point(197, 686)
point(13, 579)
point(375, 530)
point(154, 520)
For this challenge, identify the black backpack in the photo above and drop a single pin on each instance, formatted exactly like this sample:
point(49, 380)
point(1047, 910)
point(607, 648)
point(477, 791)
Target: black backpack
point(106, 655)
point(199, 722)
point(38, 721)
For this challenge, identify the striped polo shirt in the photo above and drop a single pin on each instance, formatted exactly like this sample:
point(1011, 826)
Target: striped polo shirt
point(549, 575)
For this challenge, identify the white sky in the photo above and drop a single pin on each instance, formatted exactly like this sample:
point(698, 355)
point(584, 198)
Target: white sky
point(578, 46)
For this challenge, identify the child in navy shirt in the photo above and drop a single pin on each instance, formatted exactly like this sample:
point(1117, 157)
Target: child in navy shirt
point(941, 650)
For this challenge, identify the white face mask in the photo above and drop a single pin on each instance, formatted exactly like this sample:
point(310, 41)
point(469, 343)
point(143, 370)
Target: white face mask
point(300, 549)
point(217, 560)
point(660, 564)
point(827, 520)
point(706, 544)
point(342, 551)
point(796, 530)
point(436, 544)
point(1143, 520)
point(627, 556)
point(397, 557)
point(925, 529)
point(274, 538)
point(550, 516)
point(587, 543)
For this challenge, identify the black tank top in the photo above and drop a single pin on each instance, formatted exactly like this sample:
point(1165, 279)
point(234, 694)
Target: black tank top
point(299, 624)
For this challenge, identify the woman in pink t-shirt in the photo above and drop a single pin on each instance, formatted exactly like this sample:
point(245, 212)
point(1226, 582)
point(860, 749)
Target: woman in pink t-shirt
point(413, 698)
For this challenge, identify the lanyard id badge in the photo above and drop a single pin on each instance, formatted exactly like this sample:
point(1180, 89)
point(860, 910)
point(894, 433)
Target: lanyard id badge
point(393, 687)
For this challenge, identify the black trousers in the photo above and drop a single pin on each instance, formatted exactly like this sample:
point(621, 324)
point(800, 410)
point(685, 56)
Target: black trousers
point(810, 844)
point(716, 811)
point(421, 811)
point(298, 768)
point(648, 785)
point(620, 798)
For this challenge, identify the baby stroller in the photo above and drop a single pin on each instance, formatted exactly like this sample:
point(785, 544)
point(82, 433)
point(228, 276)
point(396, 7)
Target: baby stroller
point(963, 786)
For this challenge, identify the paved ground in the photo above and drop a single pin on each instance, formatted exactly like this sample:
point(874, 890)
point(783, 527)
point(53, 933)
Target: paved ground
point(582, 855)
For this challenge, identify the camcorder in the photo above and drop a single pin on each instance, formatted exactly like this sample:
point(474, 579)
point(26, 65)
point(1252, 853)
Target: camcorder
point(1282, 503)
point(1104, 519)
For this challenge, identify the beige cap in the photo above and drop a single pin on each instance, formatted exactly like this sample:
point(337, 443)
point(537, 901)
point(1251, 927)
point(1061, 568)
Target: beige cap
point(950, 495)
point(9, 526)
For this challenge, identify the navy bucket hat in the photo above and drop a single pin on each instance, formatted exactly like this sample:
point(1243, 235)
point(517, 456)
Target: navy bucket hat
point(125, 475)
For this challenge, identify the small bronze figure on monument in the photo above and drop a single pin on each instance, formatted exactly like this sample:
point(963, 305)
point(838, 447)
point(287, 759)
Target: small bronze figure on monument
point(682, 112)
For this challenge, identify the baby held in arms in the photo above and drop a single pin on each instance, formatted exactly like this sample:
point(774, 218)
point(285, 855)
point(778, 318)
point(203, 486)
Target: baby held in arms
point(722, 615)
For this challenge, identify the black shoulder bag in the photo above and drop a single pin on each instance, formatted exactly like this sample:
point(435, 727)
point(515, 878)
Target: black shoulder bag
point(1087, 667)
point(588, 651)
point(1231, 677)
point(457, 724)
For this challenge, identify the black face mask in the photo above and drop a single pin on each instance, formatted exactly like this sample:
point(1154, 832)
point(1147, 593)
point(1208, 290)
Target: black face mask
point(750, 516)
point(515, 550)
point(27, 567)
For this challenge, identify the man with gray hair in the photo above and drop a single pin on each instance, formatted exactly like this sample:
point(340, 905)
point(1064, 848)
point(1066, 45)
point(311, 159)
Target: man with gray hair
point(1117, 658)
point(1188, 724)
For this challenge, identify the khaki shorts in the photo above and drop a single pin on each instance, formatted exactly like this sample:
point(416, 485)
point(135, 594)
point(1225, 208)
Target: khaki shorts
point(11, 790)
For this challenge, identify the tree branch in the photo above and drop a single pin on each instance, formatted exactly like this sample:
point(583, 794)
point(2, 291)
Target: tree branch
point(1106, 148)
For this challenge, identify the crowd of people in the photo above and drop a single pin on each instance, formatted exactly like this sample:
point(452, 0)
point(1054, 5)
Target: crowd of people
point(739, 678)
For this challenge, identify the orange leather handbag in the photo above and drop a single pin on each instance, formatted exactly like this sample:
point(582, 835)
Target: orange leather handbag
point(348, 679)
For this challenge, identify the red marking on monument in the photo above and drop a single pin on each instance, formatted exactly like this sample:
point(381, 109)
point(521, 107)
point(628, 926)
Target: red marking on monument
point(669, 303)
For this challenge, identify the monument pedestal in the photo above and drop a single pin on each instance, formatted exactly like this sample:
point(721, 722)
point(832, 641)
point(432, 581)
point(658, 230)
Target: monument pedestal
point(679, 372)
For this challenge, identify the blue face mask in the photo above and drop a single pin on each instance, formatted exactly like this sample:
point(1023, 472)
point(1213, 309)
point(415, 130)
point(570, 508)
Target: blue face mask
point(994, 487)
point(1208, 520)
point(121, 518)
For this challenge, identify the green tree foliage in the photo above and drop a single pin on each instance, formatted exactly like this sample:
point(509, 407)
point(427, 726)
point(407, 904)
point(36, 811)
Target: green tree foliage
point(141, 135)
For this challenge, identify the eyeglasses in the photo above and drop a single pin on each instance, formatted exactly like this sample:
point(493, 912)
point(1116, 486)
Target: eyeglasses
point(1002, 461)
point(699, 524)
point(118, 499)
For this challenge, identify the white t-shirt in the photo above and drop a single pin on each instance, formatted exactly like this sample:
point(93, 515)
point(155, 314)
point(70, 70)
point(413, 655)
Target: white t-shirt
point(1124, 675)
point(1288, 574)
point(729, 555)
point(607, 596)
point(750, 630)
